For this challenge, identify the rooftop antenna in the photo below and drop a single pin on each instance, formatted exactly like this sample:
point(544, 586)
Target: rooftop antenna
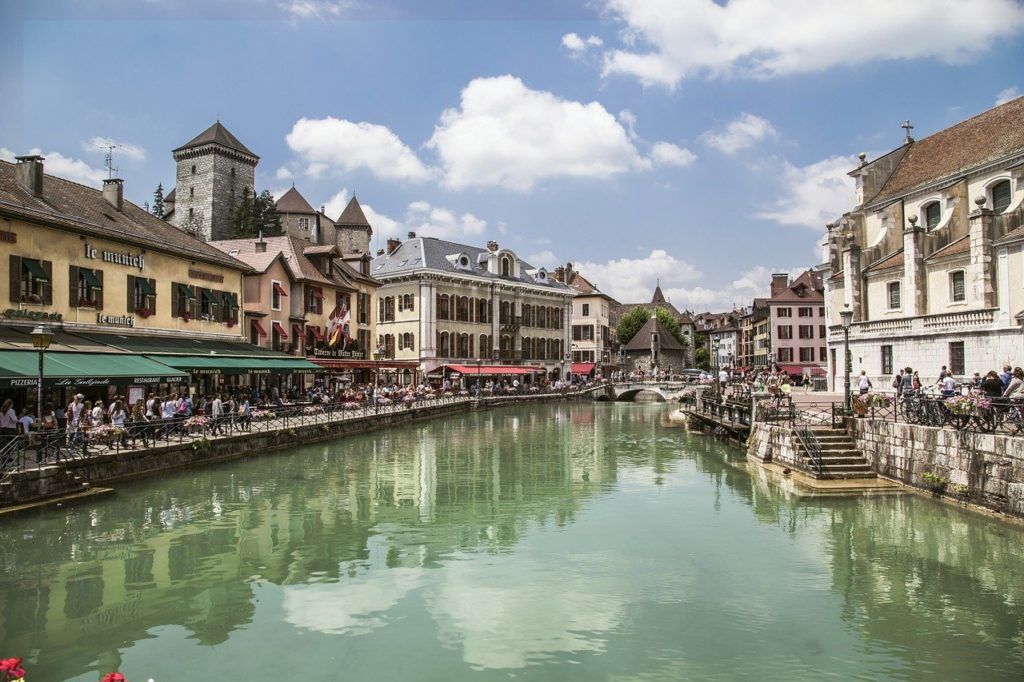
point(907, 127)
point(108, 160)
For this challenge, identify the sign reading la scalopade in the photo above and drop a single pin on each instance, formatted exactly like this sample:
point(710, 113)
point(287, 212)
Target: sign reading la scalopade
point(34, 315)
point(135, 260)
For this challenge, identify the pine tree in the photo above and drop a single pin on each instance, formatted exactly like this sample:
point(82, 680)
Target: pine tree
point(255, 215)
point(158, 201)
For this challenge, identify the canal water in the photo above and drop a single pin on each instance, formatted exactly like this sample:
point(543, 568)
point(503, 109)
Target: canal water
point(551, 542)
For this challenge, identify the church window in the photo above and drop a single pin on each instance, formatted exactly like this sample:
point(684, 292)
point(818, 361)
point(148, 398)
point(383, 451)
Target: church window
point(932, 215)
point(893, 291)
point(1001, 196)
point(957, 288)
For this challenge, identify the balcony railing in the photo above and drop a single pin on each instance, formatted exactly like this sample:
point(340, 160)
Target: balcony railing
point(969, 320)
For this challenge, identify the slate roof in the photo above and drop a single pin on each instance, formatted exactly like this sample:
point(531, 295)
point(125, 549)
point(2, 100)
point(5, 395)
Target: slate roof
point(982, 139)
point(954, 248)
point(658, 296)
point(353, 215)
point(216, 134)
point(891, 261)
point(289, 248)
point(431, 253)
point(83, 209)
point(642, 339)
point(293, 202)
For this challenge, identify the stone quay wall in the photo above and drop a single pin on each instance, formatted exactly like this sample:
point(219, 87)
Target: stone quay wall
point(778, 444)
point(982, 468)
point(101, 470)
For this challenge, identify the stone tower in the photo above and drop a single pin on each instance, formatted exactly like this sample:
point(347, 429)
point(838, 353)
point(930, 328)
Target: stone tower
point(352, 229)
point(213, 170)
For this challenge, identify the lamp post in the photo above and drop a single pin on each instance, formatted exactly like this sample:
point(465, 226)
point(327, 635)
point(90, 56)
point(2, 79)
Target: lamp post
point(846, 315)
point(714, 351)
point(41, 338)
point(479, 363)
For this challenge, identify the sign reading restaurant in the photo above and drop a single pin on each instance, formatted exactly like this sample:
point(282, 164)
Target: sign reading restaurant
point(117, 258)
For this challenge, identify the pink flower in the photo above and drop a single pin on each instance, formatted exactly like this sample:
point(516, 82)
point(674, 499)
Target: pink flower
point(114, 677)
point(7, 664)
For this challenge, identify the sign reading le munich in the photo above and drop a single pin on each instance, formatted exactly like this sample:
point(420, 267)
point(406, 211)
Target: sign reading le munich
point(135, 260)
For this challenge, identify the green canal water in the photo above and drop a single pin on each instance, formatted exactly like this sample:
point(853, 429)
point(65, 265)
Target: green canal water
point(552, 542)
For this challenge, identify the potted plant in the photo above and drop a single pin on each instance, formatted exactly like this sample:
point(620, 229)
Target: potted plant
point(185, 317)
point(143, 312)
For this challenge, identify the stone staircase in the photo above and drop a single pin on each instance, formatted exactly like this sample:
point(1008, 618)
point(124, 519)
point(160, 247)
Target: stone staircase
point(840, 458)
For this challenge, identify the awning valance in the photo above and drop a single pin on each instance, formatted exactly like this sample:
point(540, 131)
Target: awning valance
point(491, 370)
point(280, 289)
point(214, 364)
point(582, 367)
point(279, 328)
point(798, 370)
point(21, 368)
point(35, 269)
point(259, 328)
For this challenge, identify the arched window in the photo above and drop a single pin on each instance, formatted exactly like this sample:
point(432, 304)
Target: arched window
point(442, 307)
point(485, 347)
point(932, 215)
point(527, 315)
point(462, 309)
point(410, 302)
point(505, 313)
point(1001, 196)
point(506, 266)
point(443, 348)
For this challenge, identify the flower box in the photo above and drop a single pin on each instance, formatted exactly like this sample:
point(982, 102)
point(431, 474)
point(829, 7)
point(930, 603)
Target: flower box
point(143, 312)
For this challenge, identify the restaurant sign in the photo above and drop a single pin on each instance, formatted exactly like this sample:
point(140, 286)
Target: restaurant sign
point(34, 315)
point(337, 353)
point(115, 320)
point(88, 382)
point(135, 260)
point(9, 237)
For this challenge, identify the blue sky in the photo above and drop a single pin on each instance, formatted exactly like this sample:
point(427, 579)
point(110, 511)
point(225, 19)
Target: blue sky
point(700, 144)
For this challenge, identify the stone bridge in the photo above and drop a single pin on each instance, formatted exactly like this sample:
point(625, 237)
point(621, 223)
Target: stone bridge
point(629, 390)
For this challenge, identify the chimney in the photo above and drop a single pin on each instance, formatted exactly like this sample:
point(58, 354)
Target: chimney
point(780, 281)
point(412, 235)
point(568, 272)
point(393, 245)
point(380, 252)
point(260, 245)
point(29, 173)
point(492, 246)
point(113, 192)
point(560, 273)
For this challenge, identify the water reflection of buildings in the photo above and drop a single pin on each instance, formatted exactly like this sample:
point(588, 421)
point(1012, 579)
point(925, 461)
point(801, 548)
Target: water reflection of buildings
point(188, 551)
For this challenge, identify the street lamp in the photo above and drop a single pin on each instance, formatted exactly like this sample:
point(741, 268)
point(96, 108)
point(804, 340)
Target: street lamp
point(846, 315)
point(479, 363)
point(41, 338)
point(714, 351)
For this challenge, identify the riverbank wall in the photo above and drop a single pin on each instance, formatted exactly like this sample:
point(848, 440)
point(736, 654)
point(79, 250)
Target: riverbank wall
point(102, 470)
point(778, 444)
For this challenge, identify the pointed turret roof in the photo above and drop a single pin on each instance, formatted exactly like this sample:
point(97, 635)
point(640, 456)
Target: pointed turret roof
point(293, 202)
point(658, 296)
point(217, 134)
point(353, 215)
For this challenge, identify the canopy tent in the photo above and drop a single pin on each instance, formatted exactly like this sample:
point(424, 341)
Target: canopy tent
point(582, 367)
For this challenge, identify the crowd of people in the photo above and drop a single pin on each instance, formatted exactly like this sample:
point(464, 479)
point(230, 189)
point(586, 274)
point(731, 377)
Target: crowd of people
point(1009, 383)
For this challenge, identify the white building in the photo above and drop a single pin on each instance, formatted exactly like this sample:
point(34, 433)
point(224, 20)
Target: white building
point(930, 259)
point(467, 309)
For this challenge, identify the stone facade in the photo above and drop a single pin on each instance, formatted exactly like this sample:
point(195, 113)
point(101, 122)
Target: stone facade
point(990, 467)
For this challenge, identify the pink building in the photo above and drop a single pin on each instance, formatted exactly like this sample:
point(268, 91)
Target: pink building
point(797, 322)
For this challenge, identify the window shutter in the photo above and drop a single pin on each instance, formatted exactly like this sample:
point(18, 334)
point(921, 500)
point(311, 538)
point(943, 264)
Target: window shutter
point(193, 301)
point(130, 307)
point(15, 279)
point(99, 293)
point(73, 286)
point(152, 298)
point(48, 285)
point(175, 304)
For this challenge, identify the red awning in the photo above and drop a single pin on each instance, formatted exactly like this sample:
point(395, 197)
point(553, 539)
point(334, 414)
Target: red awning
point(280, 289)
point(582, 367)
point(279, 328)
point(493, 369)
point(316, 333)
point(259, 328)
point(340, 365)
point(317, 292)
point(798, 370)
point(297, 329)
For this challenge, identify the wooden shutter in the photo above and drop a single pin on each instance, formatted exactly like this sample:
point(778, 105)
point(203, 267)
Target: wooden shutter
point(151, 299)
point(174, 299)
point(15, 279)
point(99, 293)
point(130, 307)
point(48, 285)
point(73, 286)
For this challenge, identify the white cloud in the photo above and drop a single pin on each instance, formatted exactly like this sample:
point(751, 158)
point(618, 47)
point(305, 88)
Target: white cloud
point(337, 203)
point(344, 146)
point(284, 173)
point(1005, 95)
point(381, 223)
point(131, 151)
point(751, 284)
point(628, 119)
point(545, 258)
point(315, 9)
point(632, 280)
point(507, 135)
point(814, 195)
point(575, 44)
point(433, 221)
point(666, 41)
point(742, 132)
point(668, 154)
point(62, 166)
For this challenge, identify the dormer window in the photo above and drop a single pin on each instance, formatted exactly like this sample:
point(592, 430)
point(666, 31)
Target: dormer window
point(506, 266)
point(542, 276)
point(464, 261)
point(932, 215)
point(1001, 196)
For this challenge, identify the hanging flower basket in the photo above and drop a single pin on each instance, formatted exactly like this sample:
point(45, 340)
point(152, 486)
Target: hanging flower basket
point(230, 322)
point(143, 312)
point(186, 317)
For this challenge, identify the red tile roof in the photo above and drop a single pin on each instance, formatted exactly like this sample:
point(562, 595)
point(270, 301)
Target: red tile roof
point(217, 134)
point(353, 215)
point(293, 202)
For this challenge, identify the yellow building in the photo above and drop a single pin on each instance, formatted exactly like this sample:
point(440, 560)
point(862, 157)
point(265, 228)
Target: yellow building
point(111, 280)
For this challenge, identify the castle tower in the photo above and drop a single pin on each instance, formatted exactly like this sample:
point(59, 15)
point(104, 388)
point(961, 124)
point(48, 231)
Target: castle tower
point(298, 218)
point(213, 170)
point(353, 230)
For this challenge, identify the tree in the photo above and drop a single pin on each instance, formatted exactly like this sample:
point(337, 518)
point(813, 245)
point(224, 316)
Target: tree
point(158, 201)
point(255, 215)
point(631, 322)
point(702, 358)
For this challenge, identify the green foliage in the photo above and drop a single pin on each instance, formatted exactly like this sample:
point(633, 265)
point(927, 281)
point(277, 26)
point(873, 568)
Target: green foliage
point(636, 318)
point(702, 358)
point(936, 483)
point(157, 208)
point(255, 215)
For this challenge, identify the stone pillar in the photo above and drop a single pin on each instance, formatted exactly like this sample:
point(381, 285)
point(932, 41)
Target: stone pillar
point(982, 280)
point(428, 320)
point(852, 280)
point(914, 297)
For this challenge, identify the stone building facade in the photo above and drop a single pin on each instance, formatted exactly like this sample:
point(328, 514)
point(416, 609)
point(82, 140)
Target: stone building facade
point(592, 330)
point(930, 259)
point(687, 323)
point(213, 170)
point(352, 231)
point(653, 349)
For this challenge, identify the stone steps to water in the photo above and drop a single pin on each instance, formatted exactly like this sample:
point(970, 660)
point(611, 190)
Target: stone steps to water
point(840, 457)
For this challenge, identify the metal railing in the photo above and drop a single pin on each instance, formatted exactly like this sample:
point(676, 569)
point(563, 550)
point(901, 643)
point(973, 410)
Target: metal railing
point(811, 446)
point(1004, 416)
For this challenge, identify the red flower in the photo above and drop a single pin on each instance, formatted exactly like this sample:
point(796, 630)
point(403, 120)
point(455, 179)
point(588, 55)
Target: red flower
point(9, 664)
point(114, 677)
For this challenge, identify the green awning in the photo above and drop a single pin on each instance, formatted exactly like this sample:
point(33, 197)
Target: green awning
point(208, 297)
point(146, 287)
point(230, 301)
point(183, 290)
point(215, 364)
point(35, 269)
point(90, 278)
point(21, 367)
